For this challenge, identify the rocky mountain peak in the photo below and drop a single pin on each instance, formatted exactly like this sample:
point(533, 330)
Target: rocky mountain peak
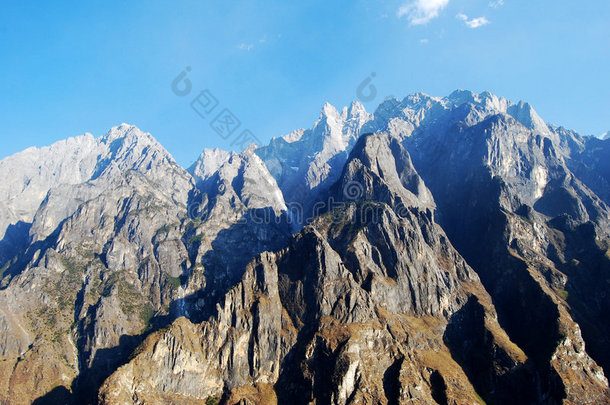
point(125, 130)
point(485, 100)
point(526, 115)
point(380, 169)
point(387, 108)
point(129, 147)
point(26, 177)
point(459, 97)
point(243, 175)
point(208, 163)
point(329, 111)
point(356, 108)
point(293, 136)
point(443, 250)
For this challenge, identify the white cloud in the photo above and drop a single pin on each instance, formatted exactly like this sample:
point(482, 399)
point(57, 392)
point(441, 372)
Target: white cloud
point(423, 41)
point(245, 47)
point(496, 3)
point(472, 22)
point(477, 22)
point(420, 12)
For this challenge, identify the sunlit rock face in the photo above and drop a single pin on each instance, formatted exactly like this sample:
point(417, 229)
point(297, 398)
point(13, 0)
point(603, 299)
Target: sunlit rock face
point(438, 250)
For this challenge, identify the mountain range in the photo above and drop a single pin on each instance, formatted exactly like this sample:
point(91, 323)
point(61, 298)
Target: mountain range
point(450, 250)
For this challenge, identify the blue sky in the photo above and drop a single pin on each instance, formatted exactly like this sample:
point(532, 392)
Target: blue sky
point(73, 68)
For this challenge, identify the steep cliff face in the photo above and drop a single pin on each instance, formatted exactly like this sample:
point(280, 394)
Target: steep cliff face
point(306, 163)
point(27, 176)
point(355, 310)
point(237, 211)
point(111, 259)
point(96, 269)
point(589, 159)
point(536, 235)
point(441, 250)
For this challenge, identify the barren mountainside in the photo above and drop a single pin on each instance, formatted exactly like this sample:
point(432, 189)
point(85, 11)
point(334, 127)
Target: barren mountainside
point(449, 250)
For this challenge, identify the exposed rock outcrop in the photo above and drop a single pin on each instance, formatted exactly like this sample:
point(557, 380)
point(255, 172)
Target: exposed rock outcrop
point(441, 250)
point(354, 310)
